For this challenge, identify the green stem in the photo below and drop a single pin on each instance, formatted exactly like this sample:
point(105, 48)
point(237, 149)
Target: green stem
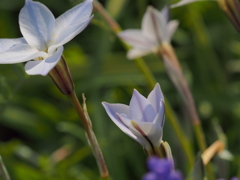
point(152, 81)
point(90, 135)
point(3, 171)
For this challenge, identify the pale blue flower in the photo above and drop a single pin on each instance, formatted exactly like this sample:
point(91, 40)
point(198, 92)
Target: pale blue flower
point(43, 36)
point(143, 119)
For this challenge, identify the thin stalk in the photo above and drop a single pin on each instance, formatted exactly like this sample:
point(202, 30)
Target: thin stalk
point(167, 54)
point(90, 135)
point(3, 171)
point(151, 81)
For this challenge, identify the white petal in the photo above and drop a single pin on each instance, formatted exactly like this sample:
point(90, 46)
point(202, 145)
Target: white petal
point(136, 38)
point(120, 109)
point(36, 24)
point(184, 2)
point(67, 34)
point(137, 53)
point(42, 67)
point(76, 15)
point(154, 25)
point(155, 97)
point(5, 44)
point(72, 22)
point(140, 108)
point(19, 53)
point(171, 26)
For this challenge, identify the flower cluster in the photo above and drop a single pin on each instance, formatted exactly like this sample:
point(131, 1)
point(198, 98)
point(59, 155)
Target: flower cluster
point(161, 169)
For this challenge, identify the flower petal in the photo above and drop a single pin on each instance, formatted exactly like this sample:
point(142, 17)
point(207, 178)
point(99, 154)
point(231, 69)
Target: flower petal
point(155, 97)
point(113, 110)
point(140, 108)
point(160, 118)
point(19, 53)
point(137, 53)
point(42, 67)
point(77, 15)
point(36, 24)
point(152, 131)
point(154, 25)
point(5, 44)
point(136, 39)
point(72, 22)
point(67, 34)
point(184, 2)
point(133, 132)
point(171, 26)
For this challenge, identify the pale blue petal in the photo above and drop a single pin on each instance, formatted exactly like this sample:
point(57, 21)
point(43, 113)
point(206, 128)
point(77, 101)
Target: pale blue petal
point(153, 131)
point(155, 97)
point(5, 44)
point(36, 24)
point(118, 113)
point(42, 67)
point(160, 118)
point(67, 34)
point(140, 108)
point(19, 53)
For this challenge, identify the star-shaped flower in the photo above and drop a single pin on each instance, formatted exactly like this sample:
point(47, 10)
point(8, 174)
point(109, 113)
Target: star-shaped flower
point(143, 119)
point(43, 36)
point(155, 30)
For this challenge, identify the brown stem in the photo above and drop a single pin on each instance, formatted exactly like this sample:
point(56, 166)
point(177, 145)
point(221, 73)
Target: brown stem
point(90, 134)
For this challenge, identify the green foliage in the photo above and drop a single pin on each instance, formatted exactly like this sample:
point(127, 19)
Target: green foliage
point(41, 136)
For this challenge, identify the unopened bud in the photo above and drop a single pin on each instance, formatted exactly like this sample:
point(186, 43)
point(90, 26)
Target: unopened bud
point(62, 78)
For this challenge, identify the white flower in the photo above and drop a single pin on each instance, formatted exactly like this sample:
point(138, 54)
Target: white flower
point(184, 2)
point(143, 119)
point(43, 36)
point(155, 30)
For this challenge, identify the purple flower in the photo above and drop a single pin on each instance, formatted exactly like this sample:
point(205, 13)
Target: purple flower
point(161, 169)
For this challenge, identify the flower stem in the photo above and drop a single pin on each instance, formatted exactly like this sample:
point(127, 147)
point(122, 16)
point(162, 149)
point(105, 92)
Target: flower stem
point(151, 81)
point(3, 171)
point(173, 68)
point(90, 135)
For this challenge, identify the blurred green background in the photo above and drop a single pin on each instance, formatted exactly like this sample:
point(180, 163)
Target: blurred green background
point(41, 136)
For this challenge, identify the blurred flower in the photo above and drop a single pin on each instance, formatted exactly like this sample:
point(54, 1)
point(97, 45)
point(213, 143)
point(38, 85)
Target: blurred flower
point(143, 119)
point(230, 7)
point(43, 36)
point(161, 169)
point(155, 30)
point(185, 2)
point(234, 178)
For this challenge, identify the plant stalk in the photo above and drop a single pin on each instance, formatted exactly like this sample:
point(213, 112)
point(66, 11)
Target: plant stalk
point(3, 171)
point(90, 135)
